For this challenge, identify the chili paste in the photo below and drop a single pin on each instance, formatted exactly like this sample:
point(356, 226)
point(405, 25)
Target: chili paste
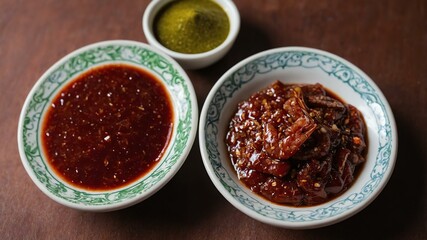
point(297, 145)
point(108, 127)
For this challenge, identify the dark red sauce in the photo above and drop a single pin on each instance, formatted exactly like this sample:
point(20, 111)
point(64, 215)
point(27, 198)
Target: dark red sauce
point(108, 127)
point(297, 145)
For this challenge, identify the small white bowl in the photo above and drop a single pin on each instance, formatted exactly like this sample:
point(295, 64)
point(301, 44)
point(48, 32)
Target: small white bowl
point(139, 55)
point(298, 65)
point(198, 60)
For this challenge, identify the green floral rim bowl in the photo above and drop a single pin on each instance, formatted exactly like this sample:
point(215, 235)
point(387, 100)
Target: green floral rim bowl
point(298, 65)
point(68, 68)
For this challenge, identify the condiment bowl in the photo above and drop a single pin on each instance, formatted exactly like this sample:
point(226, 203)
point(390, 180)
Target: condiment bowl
point(298, 65)
point(138, 55)
point(198, 60)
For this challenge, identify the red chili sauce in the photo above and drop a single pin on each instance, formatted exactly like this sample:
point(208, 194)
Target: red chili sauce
point(297, 145)
point(108, 127)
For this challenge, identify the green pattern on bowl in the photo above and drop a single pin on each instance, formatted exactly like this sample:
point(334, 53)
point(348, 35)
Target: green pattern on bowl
point(50, 83)
point(335, 68)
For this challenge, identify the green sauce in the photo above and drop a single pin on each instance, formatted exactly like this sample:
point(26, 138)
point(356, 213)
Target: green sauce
point(191, 26)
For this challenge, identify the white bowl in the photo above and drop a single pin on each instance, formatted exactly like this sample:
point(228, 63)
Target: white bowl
point(68, 68)
point(298, 65)
point(198, 60)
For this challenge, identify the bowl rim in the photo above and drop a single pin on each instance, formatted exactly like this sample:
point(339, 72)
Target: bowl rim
point(190, 133)
point(156, 5)
point(216, 178)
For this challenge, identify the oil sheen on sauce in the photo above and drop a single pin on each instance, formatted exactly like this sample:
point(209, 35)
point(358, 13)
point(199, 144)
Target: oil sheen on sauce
point(297, 145)
point(108, 127)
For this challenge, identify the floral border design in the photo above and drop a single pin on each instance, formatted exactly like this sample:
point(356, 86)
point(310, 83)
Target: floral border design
point(93, 56)
point(332, 67)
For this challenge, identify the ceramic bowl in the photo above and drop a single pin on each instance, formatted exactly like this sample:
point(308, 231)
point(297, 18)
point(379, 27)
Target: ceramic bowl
point(67, 69)
point(199, 60)
point(298, 65)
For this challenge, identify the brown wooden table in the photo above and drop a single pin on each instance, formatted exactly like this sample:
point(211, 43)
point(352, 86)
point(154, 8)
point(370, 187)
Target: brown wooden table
point(386, 38)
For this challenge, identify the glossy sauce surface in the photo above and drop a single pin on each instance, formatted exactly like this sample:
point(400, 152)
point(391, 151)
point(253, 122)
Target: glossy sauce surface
point(297, 145)
point(108, 127)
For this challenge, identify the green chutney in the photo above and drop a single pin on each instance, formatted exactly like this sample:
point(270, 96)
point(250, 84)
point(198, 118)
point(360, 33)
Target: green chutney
point(191, 26)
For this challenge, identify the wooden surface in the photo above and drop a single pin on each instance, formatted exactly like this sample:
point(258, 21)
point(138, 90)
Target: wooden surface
point(385, 38)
